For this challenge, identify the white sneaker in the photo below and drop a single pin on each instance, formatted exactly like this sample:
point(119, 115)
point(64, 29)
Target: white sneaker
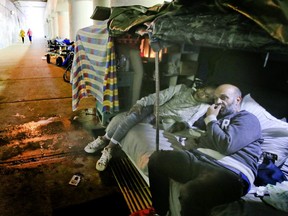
point(102, 163)
point(95, 145)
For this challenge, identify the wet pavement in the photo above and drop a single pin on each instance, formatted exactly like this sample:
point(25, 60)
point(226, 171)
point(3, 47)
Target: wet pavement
point(42, 139)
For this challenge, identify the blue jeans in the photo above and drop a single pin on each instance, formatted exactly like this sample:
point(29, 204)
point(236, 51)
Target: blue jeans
point(203, 185)
point(122, 123)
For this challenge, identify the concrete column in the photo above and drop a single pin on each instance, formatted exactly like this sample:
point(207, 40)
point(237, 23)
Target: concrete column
point(80, 13)
point(135, 67)
point(63, 24)
point(55, 25)
point(51, 27)
point(103, 3)
point(49, 33)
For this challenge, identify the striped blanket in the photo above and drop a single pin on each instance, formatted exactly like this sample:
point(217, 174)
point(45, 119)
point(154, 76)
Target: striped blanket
point(94, 68)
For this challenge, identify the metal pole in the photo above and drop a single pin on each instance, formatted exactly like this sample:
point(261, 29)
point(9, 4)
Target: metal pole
point(157, 88)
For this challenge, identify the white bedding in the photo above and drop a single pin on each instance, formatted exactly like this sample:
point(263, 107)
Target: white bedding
point(140, 142)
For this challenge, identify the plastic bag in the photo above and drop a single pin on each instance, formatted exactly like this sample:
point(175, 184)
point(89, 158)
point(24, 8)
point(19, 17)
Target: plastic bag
point(278, 196)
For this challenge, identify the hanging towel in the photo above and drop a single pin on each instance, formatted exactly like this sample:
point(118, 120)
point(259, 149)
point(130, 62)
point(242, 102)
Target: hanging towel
point(94, 68)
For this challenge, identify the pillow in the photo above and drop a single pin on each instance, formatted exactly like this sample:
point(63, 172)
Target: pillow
point(276, 142)
point(274, 131)
point(265, 118)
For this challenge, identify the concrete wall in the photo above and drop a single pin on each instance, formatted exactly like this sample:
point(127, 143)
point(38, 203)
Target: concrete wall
point(17, 16)
point(11, 20)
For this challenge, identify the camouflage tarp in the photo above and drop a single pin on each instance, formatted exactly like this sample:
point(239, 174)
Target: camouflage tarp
point(248, 25)
point(215, 29)
point(272, 16)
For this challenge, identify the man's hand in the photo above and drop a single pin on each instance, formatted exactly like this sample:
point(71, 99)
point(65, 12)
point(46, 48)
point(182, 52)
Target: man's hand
point(177, 126)
point(214, 109)
point(136, 108)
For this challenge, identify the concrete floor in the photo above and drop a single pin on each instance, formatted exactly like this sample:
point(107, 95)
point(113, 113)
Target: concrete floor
point(42, 139)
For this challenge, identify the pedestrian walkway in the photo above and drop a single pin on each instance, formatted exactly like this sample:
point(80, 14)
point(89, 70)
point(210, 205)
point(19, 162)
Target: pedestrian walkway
point(42, 139)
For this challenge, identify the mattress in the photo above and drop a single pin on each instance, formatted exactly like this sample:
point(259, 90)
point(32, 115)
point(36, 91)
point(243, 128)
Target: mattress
point(140, 142)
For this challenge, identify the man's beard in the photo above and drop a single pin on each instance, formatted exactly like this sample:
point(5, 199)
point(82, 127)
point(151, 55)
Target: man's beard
point(227, 111)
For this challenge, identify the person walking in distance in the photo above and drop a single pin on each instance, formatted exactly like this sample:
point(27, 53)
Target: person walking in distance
point(22, 35)
point(29, 33)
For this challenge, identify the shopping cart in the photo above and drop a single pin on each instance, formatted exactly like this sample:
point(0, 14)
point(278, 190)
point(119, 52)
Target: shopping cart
point(58, 50)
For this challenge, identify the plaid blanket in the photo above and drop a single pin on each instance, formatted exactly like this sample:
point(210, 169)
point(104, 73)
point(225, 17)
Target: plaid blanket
point(94, 68)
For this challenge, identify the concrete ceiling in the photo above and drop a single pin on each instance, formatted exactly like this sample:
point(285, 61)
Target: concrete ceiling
point(22, 4)
point(31, 3)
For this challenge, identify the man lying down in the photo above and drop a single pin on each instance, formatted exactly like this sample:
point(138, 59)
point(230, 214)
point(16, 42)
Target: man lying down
point(181, 103)
point(218, 167)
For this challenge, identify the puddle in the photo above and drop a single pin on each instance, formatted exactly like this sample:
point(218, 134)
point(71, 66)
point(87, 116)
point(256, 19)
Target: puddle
point(47, 139)
point(19, 133)
point(51, 136)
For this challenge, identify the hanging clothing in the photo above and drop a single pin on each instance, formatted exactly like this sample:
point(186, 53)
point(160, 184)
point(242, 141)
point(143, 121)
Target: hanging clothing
point(94, 68)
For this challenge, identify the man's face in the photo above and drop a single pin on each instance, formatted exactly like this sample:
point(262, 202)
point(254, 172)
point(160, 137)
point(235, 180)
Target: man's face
point(226, 98)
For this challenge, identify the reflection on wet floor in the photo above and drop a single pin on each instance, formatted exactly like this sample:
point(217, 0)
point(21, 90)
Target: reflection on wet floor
point(52, 137)
point(42, 142)
point(38, 160)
